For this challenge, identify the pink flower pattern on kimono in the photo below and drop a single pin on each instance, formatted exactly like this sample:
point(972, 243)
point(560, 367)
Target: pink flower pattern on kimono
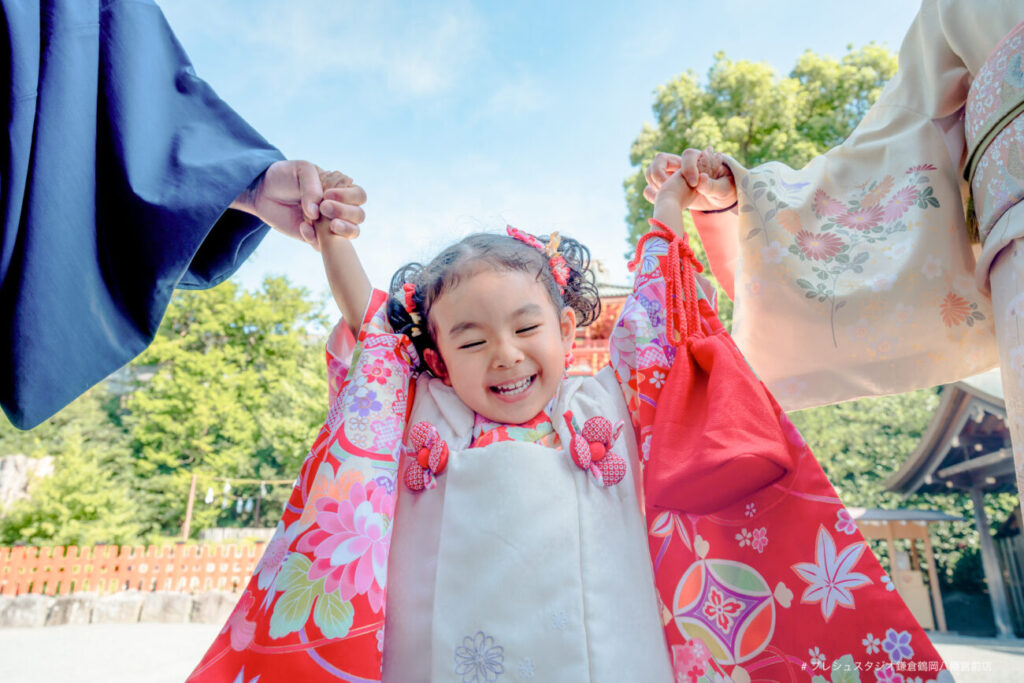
point(377, 371)
point(825, 206)
point(273, 557)
point(900, 203)
point(241, 630)
point(690, 661)
point(350, 543)
point(833, 255)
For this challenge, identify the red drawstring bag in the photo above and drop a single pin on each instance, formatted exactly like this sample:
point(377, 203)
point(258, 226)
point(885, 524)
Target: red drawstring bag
point(716, 437)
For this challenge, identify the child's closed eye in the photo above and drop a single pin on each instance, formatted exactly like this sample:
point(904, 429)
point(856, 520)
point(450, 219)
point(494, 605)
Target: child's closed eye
point(529, 328)
point(472, 344)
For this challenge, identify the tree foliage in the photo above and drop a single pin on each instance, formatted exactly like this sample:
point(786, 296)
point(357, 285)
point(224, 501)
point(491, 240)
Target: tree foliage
point(88, 497)
point(238, 390)
point(233, 386)
point(746, 110)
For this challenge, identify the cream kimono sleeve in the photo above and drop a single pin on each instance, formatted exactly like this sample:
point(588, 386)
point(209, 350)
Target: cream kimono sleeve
point(854, 276)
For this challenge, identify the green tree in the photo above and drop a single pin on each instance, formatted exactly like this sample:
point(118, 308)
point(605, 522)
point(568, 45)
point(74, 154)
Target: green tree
point(746, 110)
point(237, 390)
point(87, 499)
point(861, 443)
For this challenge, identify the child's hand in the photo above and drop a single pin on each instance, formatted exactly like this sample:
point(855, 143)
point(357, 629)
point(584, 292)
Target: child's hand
point(704, 171)
point(340, 212)
point(675, 193)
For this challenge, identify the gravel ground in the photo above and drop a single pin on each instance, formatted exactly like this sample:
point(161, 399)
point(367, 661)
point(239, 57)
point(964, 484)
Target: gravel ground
point(166, 653)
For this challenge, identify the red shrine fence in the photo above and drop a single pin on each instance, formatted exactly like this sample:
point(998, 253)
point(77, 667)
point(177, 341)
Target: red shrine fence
point(109, 568)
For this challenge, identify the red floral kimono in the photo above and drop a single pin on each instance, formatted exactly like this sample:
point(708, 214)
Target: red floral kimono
point(775, 584)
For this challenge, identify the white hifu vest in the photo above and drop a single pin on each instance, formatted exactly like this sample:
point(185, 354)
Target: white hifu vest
point(519, 565)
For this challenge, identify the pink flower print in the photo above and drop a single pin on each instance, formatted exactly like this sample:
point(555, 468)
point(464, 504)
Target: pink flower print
point(920, 167)
point(819, 247)
point(690, 660)
point(241, 630)
point(863, 218)
point(760, 539)
point(273, 557)
point(721, 609)
point(845, 522)
point(351, 544)
point(825, 206)
point(887, 675)
point(377, 371)
point(900, 203)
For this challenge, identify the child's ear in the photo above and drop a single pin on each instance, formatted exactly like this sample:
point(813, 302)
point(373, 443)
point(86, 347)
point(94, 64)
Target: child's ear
point(567, 325)
point(436, 365)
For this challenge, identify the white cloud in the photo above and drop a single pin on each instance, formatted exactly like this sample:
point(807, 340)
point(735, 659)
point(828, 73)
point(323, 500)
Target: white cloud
point(521, 96)
point(415, 51)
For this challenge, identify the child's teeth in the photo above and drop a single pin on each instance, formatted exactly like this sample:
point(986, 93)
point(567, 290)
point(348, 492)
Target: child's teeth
point(514, 388)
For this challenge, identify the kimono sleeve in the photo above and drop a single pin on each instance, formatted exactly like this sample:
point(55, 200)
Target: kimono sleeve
point(854, 276)
point(314, 609)
point(117, 173)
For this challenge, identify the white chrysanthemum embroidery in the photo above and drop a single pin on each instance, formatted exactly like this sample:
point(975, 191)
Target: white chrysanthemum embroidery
point(559, 620)
point(526, 668)
point(479, 659)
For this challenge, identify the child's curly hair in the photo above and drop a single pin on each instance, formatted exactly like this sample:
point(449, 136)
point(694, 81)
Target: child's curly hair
point(500, 253)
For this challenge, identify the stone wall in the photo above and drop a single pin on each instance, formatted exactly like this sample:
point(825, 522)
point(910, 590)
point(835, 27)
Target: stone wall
point(30, 610)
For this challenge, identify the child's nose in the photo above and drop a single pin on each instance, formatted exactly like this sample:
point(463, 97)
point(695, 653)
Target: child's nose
point(507, 354)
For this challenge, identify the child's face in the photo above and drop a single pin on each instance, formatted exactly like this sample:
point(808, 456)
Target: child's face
point(502, 344)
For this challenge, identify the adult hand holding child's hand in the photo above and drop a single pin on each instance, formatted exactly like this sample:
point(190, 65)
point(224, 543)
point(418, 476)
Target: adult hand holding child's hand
point(704, 171)
point(291, 195)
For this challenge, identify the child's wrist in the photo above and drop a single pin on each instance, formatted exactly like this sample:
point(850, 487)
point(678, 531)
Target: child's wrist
point(668, 210)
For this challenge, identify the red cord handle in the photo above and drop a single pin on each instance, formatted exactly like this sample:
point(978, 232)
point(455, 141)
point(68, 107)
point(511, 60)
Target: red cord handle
point(682, 317)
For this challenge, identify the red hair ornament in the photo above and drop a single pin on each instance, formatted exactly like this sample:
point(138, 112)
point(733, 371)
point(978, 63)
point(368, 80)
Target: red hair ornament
point(559, 268)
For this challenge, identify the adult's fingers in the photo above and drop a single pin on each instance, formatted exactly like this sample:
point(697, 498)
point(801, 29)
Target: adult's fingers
point(311, 191)
point(343, 228)
point(352, 194)
point(346, 212)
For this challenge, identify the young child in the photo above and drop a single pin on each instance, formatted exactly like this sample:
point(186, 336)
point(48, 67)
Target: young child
point(506, 534)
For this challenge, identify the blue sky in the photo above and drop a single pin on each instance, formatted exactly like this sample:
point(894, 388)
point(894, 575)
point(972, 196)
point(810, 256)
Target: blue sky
point(465, 116)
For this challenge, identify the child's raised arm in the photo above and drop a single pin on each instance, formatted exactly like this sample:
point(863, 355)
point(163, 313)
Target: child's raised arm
point(349, 283)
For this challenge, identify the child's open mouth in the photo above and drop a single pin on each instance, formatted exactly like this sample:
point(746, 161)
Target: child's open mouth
point(510, 389)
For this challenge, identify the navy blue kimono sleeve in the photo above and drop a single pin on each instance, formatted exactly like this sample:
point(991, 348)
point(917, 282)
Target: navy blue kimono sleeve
point(115, 181)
